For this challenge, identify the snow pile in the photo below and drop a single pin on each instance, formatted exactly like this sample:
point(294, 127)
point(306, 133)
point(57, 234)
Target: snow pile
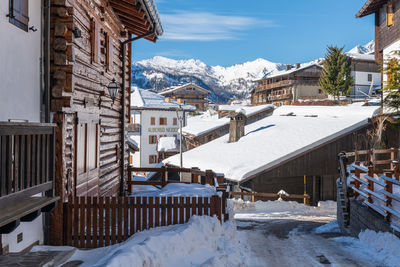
point(280, 209)
point(381, 247)
point(203, 241)
point(331, 227)
point(168, 144)
point(177, 190)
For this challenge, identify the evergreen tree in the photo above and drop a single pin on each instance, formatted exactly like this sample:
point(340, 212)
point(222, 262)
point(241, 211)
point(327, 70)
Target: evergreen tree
point(336, 76)
point(392, 88)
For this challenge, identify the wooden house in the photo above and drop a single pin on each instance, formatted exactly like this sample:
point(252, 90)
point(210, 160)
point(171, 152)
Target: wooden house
point(289, 85)
point(190, 94)
point(61, 131)
point(387, 28)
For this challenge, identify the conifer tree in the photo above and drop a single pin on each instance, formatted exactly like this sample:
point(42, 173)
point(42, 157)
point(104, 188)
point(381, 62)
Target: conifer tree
point(336, 76)
point(392, 88)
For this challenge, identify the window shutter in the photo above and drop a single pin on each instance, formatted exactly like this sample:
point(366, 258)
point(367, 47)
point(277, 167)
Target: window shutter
point(153, 121)
point(149, 139)
point(20, 13)
point(389, 15)
point(95, 40)
point(110, 52)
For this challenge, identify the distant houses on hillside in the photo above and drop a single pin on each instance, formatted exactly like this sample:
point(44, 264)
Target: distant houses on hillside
point(190, 94)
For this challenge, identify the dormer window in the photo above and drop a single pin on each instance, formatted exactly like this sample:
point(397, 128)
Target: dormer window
point(19, 13)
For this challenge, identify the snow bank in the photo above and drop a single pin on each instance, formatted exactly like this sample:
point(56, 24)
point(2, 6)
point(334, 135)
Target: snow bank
point(331, 227)
point(279, 208)
point(203, 241)
point(382, 247)
point(178, 190)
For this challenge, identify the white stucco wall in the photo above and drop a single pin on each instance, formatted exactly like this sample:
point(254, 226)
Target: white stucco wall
point(20, 66)
point(141, 158)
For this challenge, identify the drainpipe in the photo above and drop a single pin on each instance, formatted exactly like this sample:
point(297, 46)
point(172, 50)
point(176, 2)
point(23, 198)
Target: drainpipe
point(47, 62)
point(123, 109)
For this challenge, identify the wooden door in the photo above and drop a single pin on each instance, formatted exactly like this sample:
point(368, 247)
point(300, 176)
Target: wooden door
point(87, 155)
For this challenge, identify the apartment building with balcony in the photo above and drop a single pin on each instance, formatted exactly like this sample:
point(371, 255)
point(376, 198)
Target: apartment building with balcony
point(285, 87)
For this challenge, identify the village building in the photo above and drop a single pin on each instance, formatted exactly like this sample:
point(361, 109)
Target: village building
point(279, 151)
point(204, 128)
point(152, 118)
point(62, 127)
point(292, 84)
point(190, 94)
point(366, 74)
point(387, 28)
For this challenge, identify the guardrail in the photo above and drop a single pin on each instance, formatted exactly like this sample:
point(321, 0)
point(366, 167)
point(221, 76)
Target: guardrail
point(366, 180)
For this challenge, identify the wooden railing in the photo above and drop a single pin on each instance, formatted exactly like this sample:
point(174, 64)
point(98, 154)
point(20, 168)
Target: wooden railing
point(92, 222)
point(26, 158)
point(379, 158)
point(196, 176)
point(255, 195)
point(134, 128)
point(372, 183)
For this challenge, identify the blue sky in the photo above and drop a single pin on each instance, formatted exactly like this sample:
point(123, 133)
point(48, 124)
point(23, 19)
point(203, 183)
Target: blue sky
point(227, 32)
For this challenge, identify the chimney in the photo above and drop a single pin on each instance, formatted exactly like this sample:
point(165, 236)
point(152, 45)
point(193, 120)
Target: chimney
point(288, 67)
point(236, 126)
point(297, 65)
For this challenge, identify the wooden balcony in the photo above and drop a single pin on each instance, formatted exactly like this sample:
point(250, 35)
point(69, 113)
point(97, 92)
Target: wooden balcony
point(133, 128)
point(276, 85)
point(26, 172)
point(280, 97)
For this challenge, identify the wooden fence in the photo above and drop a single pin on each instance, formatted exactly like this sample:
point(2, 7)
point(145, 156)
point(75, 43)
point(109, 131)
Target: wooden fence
point(92, 222)
point(379, 158)
point(197, 177)
point(364, 181)
point(255, 195)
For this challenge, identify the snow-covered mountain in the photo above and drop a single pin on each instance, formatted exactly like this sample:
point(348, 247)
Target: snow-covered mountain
point(224, 82)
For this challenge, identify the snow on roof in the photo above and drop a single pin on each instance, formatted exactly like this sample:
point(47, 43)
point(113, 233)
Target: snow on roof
point(141, 98)
point(293, 69)
point(177, 87)
point(275, 139)
point(167, 144)
point(370, 57)
point(207, 122)
point(133, 142)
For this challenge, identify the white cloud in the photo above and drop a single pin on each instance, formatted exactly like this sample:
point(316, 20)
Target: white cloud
point(205, 26)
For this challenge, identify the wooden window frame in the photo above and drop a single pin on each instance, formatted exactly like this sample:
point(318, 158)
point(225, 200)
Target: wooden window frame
point(162, 121)
point(152, 121)
point(95, 41)
point(152, 159)
point(109, 52)
point(14, 20)
point(152, 139)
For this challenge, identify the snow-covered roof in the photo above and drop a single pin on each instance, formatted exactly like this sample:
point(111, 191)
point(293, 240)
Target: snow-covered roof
point(369, 57)
point(207, 122)
point(133, 142)
point(168, 144)
point(275, 139)
point(141, 98)
point(178, 87)
point(293, 69)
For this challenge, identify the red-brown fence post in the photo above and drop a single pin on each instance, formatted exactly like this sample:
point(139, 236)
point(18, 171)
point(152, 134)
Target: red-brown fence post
point(195, 177)
point(397, 170)
point(392, 165)
point(163, 176)
point(389, 189)
point(209, 177)
point(130, 178)
point(370, 183)
point(357, 174)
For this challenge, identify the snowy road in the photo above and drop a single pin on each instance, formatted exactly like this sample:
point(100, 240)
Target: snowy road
point(292, 242)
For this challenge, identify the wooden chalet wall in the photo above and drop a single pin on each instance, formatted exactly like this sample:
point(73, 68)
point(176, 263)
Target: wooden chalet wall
point(322, 163)
point(385, 35)
point(81, 69)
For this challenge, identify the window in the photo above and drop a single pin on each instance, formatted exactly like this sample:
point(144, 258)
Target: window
point(163, 121)
point(370, 77)
point(389, 15)
point(152, 139)
point(19, 14)
point(152, 121)
point(152, 159)
point(175, 122)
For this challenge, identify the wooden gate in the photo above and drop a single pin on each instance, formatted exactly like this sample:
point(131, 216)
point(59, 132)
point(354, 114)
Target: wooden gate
point(92, 222)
